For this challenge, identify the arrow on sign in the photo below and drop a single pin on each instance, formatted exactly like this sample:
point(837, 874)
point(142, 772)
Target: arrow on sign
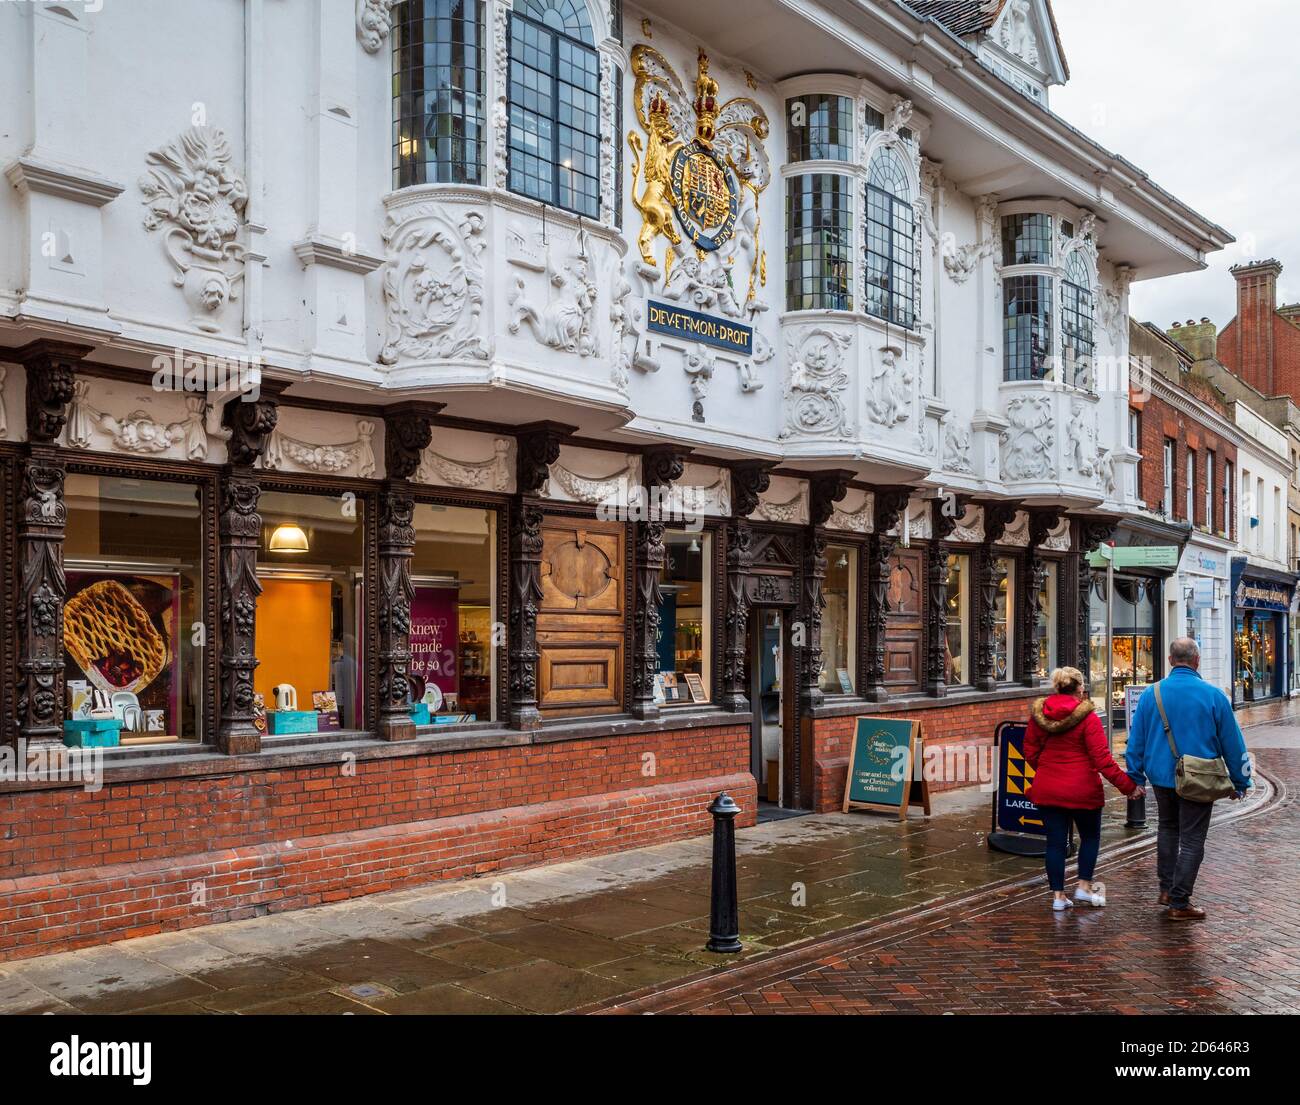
point(1030, 821)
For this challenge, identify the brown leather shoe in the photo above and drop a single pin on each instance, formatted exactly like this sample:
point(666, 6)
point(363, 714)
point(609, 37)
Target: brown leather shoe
point(1164, 897)
point(1187, 913)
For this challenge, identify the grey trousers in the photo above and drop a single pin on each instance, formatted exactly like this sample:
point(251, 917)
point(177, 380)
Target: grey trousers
point(1180, 843)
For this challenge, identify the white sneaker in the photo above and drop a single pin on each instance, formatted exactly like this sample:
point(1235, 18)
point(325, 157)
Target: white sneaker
point(1060, 905)
point(1095, 897)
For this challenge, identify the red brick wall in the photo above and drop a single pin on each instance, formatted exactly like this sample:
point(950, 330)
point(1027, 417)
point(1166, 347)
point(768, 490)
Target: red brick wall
point(965, 724)
point(1158, 421)
point(79, 868)
point(1259, 344)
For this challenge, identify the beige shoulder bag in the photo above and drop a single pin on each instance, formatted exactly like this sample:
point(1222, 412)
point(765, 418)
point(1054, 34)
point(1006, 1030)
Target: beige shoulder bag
point(1196, 778)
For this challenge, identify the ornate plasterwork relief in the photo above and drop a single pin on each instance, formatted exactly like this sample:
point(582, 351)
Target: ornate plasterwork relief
point(817, 382)
point(374, 23)
point(1081, 440)
point(491, 474)
point(889, 394)
point(970, 527)
point(1017, 533)
point(956, 446)
point(564, 316)
point(193, 189)
point(959, 262)
point(609, 115)
point(783, 501)
point(628, 317)
point(704, 490)
point(1016, 34)
point(355, 458)
point(501, 106)
point(564, 481)
point(853, 513)
point(1028, 441)
point(1058, 539)
point(919, 524)
point(1114, 307)
point(433, 284)
point(137, 432)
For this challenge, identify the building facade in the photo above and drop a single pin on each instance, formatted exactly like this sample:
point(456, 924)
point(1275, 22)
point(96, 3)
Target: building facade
point(469, 433)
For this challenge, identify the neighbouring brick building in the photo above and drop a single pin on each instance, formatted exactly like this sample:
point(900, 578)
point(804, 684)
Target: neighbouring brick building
point(1262, 342)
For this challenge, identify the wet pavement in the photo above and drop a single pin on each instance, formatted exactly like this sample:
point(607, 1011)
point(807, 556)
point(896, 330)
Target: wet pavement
point(550, 939)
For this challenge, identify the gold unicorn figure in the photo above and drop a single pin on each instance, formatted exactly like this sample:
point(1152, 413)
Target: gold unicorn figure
point(655, 206)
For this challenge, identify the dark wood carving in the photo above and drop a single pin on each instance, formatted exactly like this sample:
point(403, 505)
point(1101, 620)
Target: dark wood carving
point(650, 556)
point(250, 423)
point(396, 550)
point(50, 368)
point(824, 490)
point(944, 516)
point(239, 530)
point(997, 517)
point(888, 508)
point(525, 602)
point(42, 515)
point(538, 448)
point(664, 465)
point(408, 431)
point(748, 481)
point(1041, 523)
point(735, 634)
point(1092, 533)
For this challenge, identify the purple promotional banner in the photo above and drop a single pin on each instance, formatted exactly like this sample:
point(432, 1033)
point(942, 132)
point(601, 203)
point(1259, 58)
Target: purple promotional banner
point(435, 636)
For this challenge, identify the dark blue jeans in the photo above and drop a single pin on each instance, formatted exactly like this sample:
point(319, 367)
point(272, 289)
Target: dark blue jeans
point(1057, 822)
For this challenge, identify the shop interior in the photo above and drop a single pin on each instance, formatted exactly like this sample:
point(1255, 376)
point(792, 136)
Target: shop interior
point(685, 589)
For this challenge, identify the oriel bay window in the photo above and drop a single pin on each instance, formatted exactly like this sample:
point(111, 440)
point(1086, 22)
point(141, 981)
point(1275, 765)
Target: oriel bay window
point(839, 622)
point(456, 574)
point(438, 92)
point(891, 277)
point(554, 105)
point(135, 630)
point(311, 612)
point(685, 619)
point(819, 233)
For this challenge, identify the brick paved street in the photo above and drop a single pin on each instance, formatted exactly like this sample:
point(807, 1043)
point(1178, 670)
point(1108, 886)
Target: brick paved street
point(1006, 952)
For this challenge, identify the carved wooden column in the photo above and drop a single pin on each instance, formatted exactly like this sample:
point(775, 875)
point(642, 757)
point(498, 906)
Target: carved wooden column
point(1041, 523)
point(408, 430)
point(1090, 534)
point(997, 516)
point(943, 521)
point(888, 507)
point(825, 490)
point(538, 449)
point(662, 468)
point(41, 516)
point(239, 529)
point(748, 482)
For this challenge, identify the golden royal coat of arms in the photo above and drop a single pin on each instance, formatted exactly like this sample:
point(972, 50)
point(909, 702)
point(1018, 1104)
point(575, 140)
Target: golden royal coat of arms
point(698, 160)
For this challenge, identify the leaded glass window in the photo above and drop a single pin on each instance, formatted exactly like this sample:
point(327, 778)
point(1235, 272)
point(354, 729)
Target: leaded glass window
point(819, 128)
point(438, 92)
point(819, 230)
point(1076, 321)
point(890, 241)
point(554, 99)
point(1027, 239)
point(1027, 327)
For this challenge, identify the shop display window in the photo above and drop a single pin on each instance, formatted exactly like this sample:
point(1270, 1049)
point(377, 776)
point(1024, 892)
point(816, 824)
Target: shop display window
point(1257, 655)
point(454, 613)
point(685, 622)
point(840, 592)
point(957, 634)
point(1045, 629)
point(310, 615)
point(1134, 656)
point(133, 623)
point(1004, 571)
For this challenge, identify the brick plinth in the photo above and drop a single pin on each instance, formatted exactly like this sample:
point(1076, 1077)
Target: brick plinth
point(79, 868)
point(965, 725)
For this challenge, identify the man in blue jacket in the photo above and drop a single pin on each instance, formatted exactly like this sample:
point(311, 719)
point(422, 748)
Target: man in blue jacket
point(1202, 722)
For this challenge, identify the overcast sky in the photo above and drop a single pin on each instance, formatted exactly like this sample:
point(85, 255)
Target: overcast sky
point(1203, 96)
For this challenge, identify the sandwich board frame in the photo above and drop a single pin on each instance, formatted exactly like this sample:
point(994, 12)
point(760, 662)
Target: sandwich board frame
point(873, 753)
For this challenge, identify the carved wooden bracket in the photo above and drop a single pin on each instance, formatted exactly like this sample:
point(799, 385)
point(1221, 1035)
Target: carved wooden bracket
point(250, 422)
point(825, 490)
point(408, 431)
point(51, 368)
point(396, 592)
point(539, 448)
point(942, 524)
point(239, 528)
point(749, 480)
point(663, 465)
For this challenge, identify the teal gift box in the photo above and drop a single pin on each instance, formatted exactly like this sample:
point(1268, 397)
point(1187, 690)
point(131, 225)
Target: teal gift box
point(420, 713)
point(279, 722)
point(92, 732)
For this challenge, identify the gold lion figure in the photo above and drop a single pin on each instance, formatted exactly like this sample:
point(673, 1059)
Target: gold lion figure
point(655, 206)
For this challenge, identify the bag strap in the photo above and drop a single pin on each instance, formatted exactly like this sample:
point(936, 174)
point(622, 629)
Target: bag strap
point(1169, 733)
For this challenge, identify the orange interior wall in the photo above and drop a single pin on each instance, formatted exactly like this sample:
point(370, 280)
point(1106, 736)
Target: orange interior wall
point(293, 638)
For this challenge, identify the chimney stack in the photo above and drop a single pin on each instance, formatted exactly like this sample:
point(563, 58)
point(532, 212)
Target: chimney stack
point(1256, 305)
point(1200, 339)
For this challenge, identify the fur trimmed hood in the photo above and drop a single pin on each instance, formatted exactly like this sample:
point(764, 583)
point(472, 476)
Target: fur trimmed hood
point(1060, 712)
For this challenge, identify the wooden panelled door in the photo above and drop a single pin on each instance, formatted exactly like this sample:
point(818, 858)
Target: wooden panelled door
point(903, 621)
point(581, 624)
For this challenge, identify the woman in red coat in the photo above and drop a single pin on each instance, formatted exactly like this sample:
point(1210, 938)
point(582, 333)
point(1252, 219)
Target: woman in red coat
point(1067, 749)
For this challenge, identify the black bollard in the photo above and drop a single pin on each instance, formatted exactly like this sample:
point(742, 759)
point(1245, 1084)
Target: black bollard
point(1137, 813)
point(724, 910)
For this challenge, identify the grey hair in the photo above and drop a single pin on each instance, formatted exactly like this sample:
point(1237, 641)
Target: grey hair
point(1184, 650)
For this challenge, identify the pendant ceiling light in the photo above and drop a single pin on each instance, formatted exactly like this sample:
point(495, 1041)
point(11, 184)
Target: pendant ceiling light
point(288, 537)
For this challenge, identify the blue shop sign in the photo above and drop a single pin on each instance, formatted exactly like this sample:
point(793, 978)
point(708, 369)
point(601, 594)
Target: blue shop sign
point(1014, 812)
point(720, 333)
point(1254, 593)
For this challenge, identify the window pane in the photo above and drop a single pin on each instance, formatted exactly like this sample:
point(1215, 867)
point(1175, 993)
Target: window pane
point(839, 622)
point(958, 631)
point(685, 625)
point(455, 576)
point(1004, 570)
point(1027, 239)
point(819, 228)
point(310, 627)
point(891, 269)
point(819, 127)
point(1045, 631)
point(133, 557)
point(1027, 327)
point(438, 85)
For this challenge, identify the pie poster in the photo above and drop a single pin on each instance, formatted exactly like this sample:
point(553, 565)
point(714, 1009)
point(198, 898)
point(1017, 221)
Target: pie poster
point(435, 636)
point(120, 634)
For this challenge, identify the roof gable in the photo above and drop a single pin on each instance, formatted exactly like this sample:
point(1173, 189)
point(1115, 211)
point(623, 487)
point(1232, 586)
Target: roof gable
point(1019, 38)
